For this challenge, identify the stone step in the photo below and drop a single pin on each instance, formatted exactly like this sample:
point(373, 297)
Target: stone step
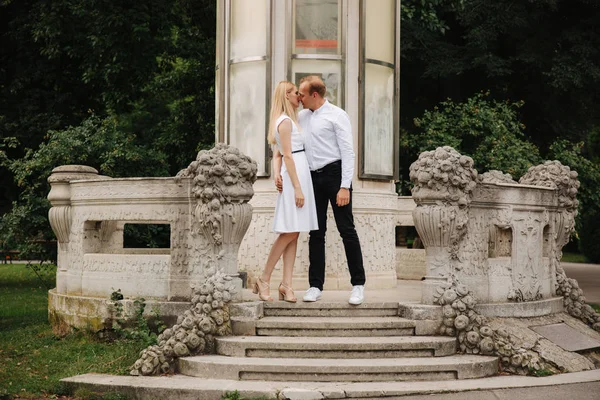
point(330, 309)
point(336, 347)
point(334, 326)
point(182, 387)
point(335, 370)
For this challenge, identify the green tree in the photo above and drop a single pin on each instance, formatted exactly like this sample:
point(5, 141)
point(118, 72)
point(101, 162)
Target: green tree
point(125, 87)
point(97, 143)
point(544, 52)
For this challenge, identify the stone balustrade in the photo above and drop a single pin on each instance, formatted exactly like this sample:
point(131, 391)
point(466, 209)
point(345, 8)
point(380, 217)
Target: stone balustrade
point(206, 207)
point(500, 238)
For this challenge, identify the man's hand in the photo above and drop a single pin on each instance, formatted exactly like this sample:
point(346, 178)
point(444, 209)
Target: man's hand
point(343, 197)
point(279, 183)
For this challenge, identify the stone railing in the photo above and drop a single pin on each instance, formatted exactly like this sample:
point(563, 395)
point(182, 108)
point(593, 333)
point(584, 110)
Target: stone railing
point(206, 207)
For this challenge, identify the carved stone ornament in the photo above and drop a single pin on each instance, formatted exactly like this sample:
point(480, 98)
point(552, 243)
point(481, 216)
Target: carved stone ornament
point(554, 175)
point(560, 177)
point(195, 330)
point(476, 336)
point(443, 186)
point(223, 179)
point(495, 176)
point(443, 175)
point(60, 196)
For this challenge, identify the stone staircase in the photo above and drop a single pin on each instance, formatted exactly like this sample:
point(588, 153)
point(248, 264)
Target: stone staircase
point(335, 342)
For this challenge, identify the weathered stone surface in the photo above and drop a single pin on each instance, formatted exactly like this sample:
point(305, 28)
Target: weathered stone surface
point(96, 313)
point(522, 310)
point(566, 337)
point(417, 311)
point(196, 328)
point(553, 356)
point(300, 394)
point(253, 310)
point(410, 263)
point(243, 326)
point(493, 242)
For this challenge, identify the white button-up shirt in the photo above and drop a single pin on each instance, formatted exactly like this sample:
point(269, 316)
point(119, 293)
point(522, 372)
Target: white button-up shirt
point(328, 138)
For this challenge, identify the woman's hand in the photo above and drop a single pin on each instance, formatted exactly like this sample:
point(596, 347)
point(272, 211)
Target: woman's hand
point(299, 197)
point(278, 183)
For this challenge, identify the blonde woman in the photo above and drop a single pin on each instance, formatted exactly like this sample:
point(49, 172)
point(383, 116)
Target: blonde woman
point(295, 210)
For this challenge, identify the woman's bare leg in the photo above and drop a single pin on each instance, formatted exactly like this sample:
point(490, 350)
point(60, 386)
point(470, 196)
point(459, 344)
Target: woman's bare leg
point(279, 246)
point(289, 257)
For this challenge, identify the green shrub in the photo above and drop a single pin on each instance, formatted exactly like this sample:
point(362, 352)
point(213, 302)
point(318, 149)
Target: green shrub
point(487, 130)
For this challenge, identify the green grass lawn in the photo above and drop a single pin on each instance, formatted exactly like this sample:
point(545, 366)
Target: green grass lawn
point(32, 358)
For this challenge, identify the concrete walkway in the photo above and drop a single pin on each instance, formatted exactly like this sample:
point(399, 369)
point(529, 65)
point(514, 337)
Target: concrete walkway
point(573, 391)
point(588, 277)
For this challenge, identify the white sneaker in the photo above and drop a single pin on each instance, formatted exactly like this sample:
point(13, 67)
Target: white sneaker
point(358, 295)
point(312, 294)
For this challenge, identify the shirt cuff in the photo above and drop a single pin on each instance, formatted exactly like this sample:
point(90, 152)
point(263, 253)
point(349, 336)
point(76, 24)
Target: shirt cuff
point(346, 184)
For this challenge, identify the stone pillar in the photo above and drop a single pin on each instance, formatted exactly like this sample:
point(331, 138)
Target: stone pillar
point(60, 213)
point(436, 225)
point(227, 233)
point(443, 185)
point(223, 179)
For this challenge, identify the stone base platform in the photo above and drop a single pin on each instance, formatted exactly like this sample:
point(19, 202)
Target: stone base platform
point(94, 314)
point(528, 309)
point(188, 388)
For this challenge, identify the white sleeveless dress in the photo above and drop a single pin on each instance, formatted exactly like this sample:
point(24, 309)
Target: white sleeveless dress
point(288, 217)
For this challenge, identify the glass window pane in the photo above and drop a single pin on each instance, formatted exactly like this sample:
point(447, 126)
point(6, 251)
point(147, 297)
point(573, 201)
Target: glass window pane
point(379, 25)
point(247, 99)
point(379, 120)
point(329, 71)
point(248, 28)
point(317, 27)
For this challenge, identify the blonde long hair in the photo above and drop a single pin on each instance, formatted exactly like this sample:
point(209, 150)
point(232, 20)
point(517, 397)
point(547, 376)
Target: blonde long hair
point(279, 105)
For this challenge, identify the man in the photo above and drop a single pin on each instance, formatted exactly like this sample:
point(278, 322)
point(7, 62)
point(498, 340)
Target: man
point(329, 149)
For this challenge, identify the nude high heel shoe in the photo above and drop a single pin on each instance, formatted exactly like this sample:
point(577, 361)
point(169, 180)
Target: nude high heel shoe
point(262, 289)
point(286, 293)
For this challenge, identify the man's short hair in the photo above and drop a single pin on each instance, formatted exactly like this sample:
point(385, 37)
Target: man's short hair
point(315, 84)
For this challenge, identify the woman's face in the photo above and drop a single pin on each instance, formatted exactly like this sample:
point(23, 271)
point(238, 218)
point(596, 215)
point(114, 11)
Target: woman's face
point(292, 96)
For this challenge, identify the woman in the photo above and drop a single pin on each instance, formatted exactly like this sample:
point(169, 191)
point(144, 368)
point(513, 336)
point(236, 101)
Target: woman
point(295, 210)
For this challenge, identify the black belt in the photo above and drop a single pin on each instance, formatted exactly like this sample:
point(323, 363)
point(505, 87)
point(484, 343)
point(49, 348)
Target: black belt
point(338, 163)
point(295, 151)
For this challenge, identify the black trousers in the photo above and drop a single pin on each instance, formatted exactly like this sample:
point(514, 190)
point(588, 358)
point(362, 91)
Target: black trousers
point(326, 184)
